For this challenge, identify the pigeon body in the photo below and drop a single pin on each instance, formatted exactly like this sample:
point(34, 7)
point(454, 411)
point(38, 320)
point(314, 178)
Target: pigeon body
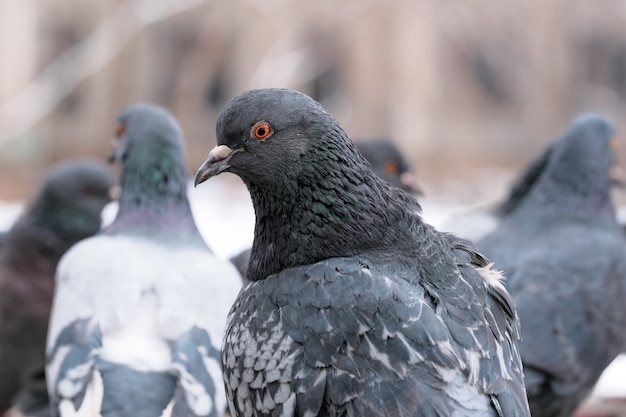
point(564, 255)
point(140, 308)
point(356, 306)
point(66, 210)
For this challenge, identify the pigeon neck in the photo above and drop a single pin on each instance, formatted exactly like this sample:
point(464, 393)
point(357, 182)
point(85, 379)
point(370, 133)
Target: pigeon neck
point(154, 199)
point(340, 213)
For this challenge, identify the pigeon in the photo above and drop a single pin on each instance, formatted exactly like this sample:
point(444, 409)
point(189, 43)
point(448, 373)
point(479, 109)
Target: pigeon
point(387, 162)
point(140, 308)
point(565, 258)
point(66, 209)
point(355, 305)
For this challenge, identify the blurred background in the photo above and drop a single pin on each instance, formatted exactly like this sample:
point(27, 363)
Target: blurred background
point(469, 89)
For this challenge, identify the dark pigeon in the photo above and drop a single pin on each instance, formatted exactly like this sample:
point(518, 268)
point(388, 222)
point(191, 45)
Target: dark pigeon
point(565, 258)
point(140, 308)
point(387, 162)
point(66, 209)
point(356, 306)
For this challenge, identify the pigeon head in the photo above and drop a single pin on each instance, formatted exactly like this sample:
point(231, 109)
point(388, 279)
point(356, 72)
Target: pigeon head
point(70, 201)
point(314, 194)
point(149, 146)
point(585, 151)
point(577, 163)
point(145, 126)
point(574, 172)
point(265, 132)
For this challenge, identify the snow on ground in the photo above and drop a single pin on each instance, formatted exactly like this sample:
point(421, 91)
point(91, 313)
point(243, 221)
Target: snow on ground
point(225, 217)
point(9, 211)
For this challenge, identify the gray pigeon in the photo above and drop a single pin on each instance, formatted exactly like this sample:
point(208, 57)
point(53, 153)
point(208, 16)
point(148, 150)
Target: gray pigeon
point(140, 308)
point(564, 255)
point(356, 306)
point(66, 210)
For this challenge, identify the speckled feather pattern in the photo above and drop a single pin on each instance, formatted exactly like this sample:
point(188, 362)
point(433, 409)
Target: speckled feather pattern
point(356, 336)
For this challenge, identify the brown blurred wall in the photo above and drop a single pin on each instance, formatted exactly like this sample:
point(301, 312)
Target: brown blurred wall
point(459, 85)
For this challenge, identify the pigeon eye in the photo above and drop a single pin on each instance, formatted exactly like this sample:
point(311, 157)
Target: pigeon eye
point(261, 130)
point(90, 191)
point(120, 129)
point(390, 167)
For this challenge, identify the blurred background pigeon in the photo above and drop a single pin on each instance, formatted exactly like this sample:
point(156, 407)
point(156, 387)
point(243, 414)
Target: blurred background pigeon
point(66, 210)
point(356, 307)
point(140, 308)
point(387, 162)
point(564, 255)
point(478, 222)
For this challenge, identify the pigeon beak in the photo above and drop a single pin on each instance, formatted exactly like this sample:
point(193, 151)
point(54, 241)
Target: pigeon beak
point(216, 163)
point(616, 174)
point(111, 157)
point(116, 151)
point(115, 192)
point(408, 181)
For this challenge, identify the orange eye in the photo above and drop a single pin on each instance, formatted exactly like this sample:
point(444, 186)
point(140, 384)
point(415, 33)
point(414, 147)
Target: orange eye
point(390, 167)
point(261, 130)
point(120, 129)
point(90, 192)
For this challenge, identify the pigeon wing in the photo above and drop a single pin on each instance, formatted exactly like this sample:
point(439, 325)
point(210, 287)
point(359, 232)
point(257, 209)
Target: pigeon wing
point(146, 307)
point(347, 336)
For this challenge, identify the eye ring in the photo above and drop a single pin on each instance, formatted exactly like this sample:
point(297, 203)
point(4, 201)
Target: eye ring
point(391, 167)
point(119, 130)
point(261, 130)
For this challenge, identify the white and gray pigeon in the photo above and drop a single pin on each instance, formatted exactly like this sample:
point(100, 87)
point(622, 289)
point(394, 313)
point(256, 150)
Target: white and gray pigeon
point(564, 254)
point(66, 209)
point(140, 308)
point(356, 306)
